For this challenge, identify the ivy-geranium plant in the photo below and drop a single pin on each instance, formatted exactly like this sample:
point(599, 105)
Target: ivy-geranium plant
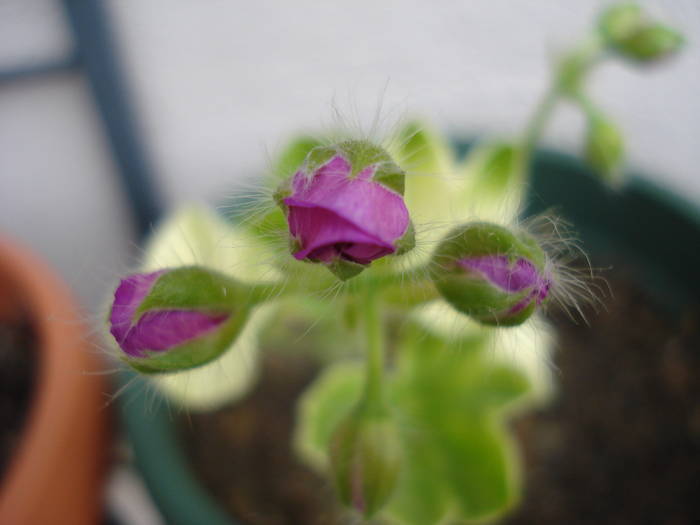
point(416, 264)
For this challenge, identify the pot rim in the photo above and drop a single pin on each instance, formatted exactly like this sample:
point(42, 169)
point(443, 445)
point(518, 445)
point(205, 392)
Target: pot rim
point(64, 434)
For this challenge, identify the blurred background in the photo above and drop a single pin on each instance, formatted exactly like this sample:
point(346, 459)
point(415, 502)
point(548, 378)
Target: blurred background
point(215, 89)
point(198, 95)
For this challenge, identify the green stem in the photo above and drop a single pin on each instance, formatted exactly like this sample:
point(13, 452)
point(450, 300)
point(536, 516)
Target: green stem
point(372, 324)
point(534, 129)
point(567, 79)
point(402, 290)
point(586, 105)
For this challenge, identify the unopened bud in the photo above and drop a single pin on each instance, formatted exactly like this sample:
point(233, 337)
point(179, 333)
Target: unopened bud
point(365, 459)
point(604, 148)
point(491, 274)
point(345, 207)
point(176, 319)
point(628, 30)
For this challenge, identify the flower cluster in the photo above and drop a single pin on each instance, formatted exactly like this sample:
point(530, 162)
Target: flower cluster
point(416, 440)
point(345, 207)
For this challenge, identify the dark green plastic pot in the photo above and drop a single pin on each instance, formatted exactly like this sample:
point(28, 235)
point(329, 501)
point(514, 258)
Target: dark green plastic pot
point(653, 232)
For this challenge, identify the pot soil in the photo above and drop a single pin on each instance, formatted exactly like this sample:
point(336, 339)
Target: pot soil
point(615, 446)
point(17, 345)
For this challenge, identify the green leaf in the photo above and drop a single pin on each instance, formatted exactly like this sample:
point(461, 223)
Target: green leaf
point(196, 235)
point(432, 191)
point(419, 149)
point(478, 468)
point(428, 161)
point(321, 409)
point(292, 156)
point(494, 175)
point(418, 477)
point(451, 397)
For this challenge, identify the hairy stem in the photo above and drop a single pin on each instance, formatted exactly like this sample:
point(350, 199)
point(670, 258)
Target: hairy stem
point(374, 337)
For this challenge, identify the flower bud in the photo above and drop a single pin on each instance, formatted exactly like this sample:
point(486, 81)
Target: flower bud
point(345, 207)
point(176, 319)
point(365, 459)
point(631, 33)
point(493, 275)
point(604, 148)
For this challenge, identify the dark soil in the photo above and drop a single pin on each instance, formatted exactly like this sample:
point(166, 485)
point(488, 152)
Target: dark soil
point(243, 453)
point(619, 445)
point(16, 383)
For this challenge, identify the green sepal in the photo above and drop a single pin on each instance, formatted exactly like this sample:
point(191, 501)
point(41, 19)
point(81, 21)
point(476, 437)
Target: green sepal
point(481, 300)
point(391, 176)
point(317, 157)
point(362, 154)
point(193, 353)
point(344, 269)
point(196, 288)
point(484, 238)
point(282, 192)
point(407, 241)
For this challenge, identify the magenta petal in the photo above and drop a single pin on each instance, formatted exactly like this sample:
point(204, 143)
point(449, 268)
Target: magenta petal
point(323, 235)
point(127, 298)
point(511, 277)
point(164, 329)
point(324, 254)
point(365, 253)
point(367, 205)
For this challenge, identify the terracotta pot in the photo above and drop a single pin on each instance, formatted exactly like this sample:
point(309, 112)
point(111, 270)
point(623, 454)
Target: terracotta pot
point(55, 475)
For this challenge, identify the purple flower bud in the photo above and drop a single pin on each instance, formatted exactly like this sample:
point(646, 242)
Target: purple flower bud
point(491, 274)
point(345, 207)
point(175, 319)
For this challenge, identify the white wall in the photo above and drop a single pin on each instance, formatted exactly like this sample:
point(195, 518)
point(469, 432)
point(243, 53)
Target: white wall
point(218, 84)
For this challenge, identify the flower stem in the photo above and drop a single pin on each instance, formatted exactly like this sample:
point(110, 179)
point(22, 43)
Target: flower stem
point(567, 80)
point(374, 334)
point(535, 127)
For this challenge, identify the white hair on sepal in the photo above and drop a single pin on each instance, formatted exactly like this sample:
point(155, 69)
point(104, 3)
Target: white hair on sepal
point(576, 284)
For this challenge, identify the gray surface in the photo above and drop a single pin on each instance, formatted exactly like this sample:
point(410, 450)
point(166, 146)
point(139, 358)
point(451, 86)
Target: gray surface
point(218, 88)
